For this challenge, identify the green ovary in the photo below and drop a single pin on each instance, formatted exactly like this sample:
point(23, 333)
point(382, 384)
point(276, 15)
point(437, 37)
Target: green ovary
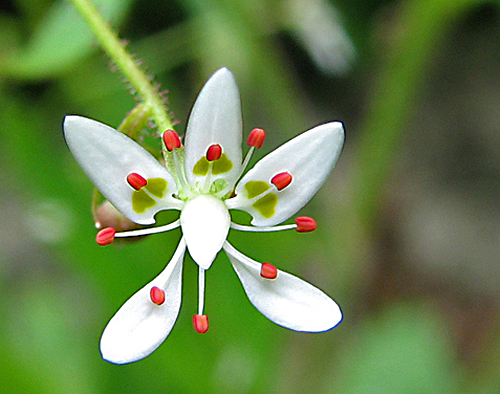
point(220, 166)
point(266, 205)
point(255, 188)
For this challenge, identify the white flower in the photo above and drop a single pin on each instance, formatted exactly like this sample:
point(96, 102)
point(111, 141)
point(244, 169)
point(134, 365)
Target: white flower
point(200, 180)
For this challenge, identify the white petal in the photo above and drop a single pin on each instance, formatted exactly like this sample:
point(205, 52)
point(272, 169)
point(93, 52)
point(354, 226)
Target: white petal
point(287, 300)
point(309, 158)
point(140, 326)
point(205, 223)
point(215, 119)
point(107, 157)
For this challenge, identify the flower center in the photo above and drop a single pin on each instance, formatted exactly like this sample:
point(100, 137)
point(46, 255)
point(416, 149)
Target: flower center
point(205, 224)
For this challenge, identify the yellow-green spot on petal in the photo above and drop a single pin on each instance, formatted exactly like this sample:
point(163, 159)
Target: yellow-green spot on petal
point(157, 187)
point(266, 205)
point(142, 201)
point(219, 166)
point(255, 188)
point(201, 167)
point(222, 165)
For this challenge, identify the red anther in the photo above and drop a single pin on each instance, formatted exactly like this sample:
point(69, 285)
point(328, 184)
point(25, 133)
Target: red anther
point(268, 271)
point(106, 236)
point(157, 295)
point(136, 181)
point(200, 323)
point(214, 152)
point(171, 140)
point(305, 224)
point(281, 180)
point(256, 138)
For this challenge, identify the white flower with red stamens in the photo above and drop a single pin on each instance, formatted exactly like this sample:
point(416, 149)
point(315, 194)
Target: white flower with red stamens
point(202, 180)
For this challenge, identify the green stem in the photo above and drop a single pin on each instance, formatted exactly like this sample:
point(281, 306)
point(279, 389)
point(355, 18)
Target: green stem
point(125, 62)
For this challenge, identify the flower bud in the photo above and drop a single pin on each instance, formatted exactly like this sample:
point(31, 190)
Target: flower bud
point(106, 215)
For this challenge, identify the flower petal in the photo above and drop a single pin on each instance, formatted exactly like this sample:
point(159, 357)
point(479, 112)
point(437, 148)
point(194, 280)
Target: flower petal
point(205, 223)
point(140, 326)
point(287, 300)
point(215, 119)
point(308, 158)
point(108, 157)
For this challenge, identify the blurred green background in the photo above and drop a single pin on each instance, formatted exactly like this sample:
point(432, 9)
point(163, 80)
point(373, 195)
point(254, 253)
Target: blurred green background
point(408, 238)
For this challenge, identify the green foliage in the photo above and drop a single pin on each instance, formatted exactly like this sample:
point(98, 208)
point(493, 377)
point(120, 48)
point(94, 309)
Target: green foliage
point(58, 288)
point(59, 41)
point(405, 348)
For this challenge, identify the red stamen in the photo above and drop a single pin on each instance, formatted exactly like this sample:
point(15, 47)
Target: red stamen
point(268, 271)
point(200, 323)
point(214, 152)
point(157, 295)
point(305, 224)
point(106, 236)
point(136, 181)
point(256, 138)
point(281, 180)
point(171, 140)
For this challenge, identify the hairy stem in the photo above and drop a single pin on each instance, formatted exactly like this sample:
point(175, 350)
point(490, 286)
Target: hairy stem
point(115, 49)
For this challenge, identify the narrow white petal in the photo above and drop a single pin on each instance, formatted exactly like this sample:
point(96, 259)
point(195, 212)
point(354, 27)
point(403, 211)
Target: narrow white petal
point(309, 158)
point(107, 157)
point(215, 119)
point(287, 300)
point(140, 326)
point(205, 223)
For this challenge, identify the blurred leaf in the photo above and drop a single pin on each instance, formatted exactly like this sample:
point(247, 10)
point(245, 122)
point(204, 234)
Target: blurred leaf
point(10, 33)
point(60, 40)
point(404, 349)
point(53, 335)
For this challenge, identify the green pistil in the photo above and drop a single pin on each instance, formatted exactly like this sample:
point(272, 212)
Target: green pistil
point(174, 161)
point(266, 205)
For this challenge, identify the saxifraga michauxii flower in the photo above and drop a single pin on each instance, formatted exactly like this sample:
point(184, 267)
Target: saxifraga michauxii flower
point(203, 179)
